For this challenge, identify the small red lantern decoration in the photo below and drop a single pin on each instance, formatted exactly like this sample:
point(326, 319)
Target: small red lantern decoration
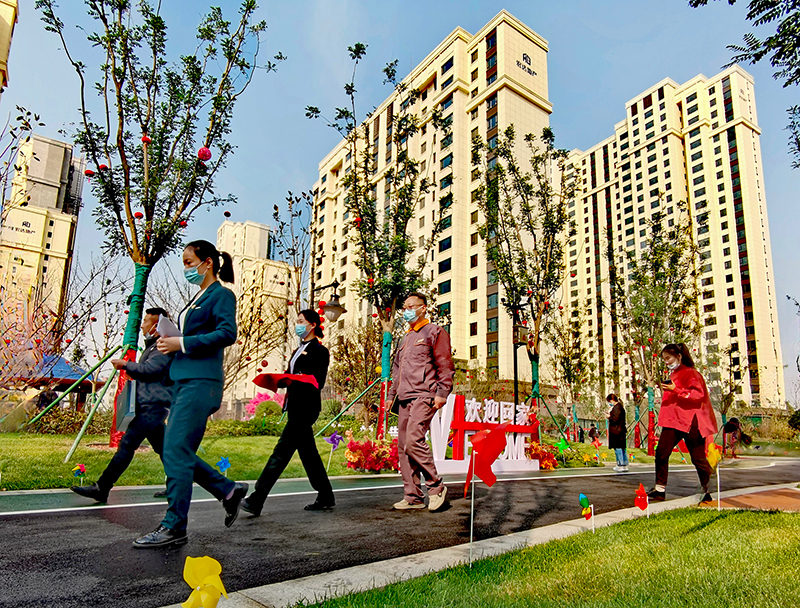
point(103, 167)
point(74, 316)
point(126, 311)
point(88, 173)
point(375, 314)
point(204, 153)
point(138, 215)
point(227, 214)
point(68, 341)
point(184, 224)
point(247, 358)
point(264, 363)
point(259, 370)
point(290, 303)
point(93, 319)
point(322, 303)
point(145, 139)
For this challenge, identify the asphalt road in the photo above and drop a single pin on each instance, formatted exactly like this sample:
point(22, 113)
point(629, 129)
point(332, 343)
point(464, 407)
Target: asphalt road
point(54, 554)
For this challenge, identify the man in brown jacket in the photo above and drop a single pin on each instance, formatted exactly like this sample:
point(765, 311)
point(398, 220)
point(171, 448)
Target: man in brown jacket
point(422, 378)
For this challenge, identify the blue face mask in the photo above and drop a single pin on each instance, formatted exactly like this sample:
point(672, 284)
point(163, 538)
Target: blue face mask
point(194, 277)
point(301, 330)
point(410, 315)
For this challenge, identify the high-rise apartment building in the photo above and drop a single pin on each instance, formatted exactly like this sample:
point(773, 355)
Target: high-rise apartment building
point(262, 286)
point(38, 223)
point(482, 82)
point(8, 19)
point(696, 142)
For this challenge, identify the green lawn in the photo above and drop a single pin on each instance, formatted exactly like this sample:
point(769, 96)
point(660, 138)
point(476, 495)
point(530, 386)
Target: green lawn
point(688, 558)
point(37, 461)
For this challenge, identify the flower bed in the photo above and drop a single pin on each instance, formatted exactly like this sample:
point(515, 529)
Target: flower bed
point(371, 456)
point(542, 453)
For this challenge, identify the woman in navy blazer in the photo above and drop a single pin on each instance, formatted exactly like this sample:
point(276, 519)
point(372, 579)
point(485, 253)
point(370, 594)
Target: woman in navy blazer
point(303, 404)
point(208, 325)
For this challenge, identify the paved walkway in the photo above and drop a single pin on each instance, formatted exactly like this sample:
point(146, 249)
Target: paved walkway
point(379, 574)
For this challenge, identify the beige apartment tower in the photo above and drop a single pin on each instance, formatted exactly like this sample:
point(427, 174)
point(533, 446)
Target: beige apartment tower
point(696, 142)
point(262, 290)
point(9, 11)
point(38, 223)
point(482, 82)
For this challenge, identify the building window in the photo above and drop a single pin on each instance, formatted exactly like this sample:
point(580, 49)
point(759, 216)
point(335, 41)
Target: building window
point(447, 65)
point(473, 260)
point(474, 75)
point(491, 62)
point(447, 83)
point(473, 283)
point(473, 239)
point(444, 287)
point(445, 244)
point(446, 222)
point(447, 102)
point(491, 102)
point(473, 329)
point(491, 79)
point(491, 122)
point(491, 325)
point(491, 41)
point(446, 161)
point(445, 265)
point(491, 349)
point(491, 301)
point(491, 277)
point(473, 306)
point(446, 181)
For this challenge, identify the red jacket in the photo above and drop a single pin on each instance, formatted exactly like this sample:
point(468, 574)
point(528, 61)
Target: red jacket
point(688, 400)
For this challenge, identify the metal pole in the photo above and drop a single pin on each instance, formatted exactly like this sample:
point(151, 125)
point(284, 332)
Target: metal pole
point(352, 403)
point(98, 400)
point(69, 390)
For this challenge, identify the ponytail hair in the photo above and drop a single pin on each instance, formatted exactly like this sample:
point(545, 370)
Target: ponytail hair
point(205, 250)
point(313, 317)
point(679, 350)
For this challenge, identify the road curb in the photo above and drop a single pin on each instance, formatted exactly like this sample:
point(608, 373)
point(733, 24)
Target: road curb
point(337, 583)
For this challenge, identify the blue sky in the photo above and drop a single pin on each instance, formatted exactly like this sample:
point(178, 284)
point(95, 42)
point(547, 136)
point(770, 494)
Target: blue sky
point(602, 53)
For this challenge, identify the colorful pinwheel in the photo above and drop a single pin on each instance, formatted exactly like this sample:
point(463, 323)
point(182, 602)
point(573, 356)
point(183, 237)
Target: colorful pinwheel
point(562, 445)
point(586, 510)
point(223, 465)
point(202, 575)
point(596, 443)
point(79, 471)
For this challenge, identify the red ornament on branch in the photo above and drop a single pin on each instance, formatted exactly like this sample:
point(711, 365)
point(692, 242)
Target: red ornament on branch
point(227, 214)
point(322, 303)
point(138, 215)
point(103, 167)
point(145, 139)
point(88, 173)
point(183, 224)
point(204, 153)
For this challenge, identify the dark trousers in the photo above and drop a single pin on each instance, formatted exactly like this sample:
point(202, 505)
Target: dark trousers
point(298, 435)
point(148, 424)
point(193, 402)
point(697, 450)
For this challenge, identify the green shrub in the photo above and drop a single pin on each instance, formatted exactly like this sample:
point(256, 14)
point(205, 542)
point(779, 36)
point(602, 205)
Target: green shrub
point(264, 425)
point(776, 428)
point(794, 420)
point(331, 407)
point(267, 408)
point(63, 421)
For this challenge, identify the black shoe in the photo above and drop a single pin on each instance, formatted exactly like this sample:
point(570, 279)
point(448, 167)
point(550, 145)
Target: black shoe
point(160, 494)
point(321, 504)
point(93, 491)
point(654, 495)
point(249, 505)
point(706, 498)
point(233, 503)
point(161, 537)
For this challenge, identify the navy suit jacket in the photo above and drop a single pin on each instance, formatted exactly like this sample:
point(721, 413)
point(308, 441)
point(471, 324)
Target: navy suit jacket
point(209, 326)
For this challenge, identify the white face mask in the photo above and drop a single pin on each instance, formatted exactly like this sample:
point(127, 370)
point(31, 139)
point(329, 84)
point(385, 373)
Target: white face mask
point(673, 366)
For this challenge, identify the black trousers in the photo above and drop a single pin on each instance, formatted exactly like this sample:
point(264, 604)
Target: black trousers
point(297, 436)
point(148, 424)
point(697, 450)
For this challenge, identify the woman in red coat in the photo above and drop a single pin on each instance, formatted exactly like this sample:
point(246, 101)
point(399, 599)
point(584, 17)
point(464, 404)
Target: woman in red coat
point(686, 414)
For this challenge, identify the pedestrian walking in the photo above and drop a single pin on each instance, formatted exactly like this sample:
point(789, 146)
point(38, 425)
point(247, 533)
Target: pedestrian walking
point(686, 414)
point(617, 432)
point(303, 404)
point(153, 399)
point(208, 325)
point(422, 378)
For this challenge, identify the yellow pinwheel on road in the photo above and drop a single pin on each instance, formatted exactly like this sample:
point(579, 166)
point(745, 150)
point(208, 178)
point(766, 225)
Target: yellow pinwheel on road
point(202, 575)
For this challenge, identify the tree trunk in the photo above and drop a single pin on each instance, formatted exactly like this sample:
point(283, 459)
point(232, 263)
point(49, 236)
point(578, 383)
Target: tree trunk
point(386, 379)
point(651, 422)
point(131, 338)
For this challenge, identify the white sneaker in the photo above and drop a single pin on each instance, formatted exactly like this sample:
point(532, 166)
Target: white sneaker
point(618, 468)
point(404, 505)
point(437, 501)
point(623, 469)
